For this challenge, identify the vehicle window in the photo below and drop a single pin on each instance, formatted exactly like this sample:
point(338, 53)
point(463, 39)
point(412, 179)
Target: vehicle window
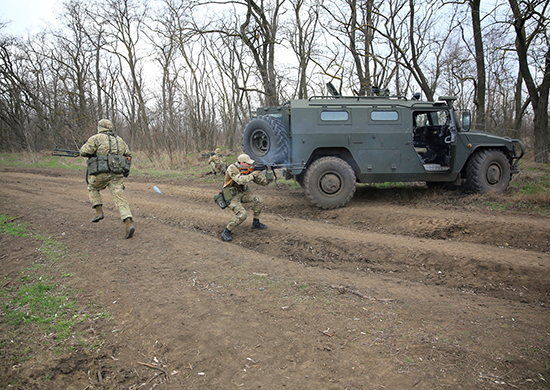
point(384, 116)
point(421, 119)
point(341, 116)
point(432, 118)
point(443, 117)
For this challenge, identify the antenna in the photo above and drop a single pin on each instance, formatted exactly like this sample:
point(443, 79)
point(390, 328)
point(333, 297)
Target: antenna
point(332, 90)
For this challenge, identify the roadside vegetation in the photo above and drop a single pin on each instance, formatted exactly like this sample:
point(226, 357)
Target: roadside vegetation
point(39, 307)
point(529, 190)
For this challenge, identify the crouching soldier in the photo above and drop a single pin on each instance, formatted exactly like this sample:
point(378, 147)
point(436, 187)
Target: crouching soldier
point(217, 162)
point(108, 163)
point(237, 177)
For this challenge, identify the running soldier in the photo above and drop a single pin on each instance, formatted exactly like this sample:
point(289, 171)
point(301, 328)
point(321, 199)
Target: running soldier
point(107, 153)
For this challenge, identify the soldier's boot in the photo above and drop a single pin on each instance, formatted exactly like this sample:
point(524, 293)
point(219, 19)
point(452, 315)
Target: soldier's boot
point(226, 235)
point(130, 228)
point(256, 224)
point(98, 213)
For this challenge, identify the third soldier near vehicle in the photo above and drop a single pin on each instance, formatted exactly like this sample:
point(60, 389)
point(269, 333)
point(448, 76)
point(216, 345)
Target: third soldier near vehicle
point(108, 164)
point(237, 177)
point(217, 162)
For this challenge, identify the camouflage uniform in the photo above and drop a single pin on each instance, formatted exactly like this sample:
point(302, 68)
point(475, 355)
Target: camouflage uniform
point(238, 182)
point(116, 186)
point(97, 145)
point(217, 163)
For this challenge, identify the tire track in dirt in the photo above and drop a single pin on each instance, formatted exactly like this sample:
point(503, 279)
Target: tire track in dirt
point(352, 238)
point(197, 304)
point(507, 230)
point(471, 267)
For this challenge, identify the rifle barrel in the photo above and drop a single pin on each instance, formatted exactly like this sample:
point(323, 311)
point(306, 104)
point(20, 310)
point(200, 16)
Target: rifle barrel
point(65, 153)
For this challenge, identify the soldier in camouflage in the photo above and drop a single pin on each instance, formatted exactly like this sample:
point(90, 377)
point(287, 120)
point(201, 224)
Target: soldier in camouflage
point(217, 162)
point(237, 177)
point(103, 143)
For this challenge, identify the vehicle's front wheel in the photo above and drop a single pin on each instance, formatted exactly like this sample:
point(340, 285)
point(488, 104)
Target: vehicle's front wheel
point(329, 183)
point(488, 171)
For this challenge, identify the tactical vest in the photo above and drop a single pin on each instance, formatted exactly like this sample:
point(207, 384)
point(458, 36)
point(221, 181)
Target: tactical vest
point(110, 163)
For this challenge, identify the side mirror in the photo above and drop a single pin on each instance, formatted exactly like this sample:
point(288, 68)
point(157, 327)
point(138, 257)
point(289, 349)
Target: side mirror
point(466, 120)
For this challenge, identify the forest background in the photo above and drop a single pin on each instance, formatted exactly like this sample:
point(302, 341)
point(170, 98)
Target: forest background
point(181, 76)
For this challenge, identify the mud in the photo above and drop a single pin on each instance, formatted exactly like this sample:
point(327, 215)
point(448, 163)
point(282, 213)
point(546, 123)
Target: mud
point(400, 289)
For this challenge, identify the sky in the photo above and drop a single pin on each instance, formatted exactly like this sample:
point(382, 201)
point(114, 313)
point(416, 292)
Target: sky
point(28, 15)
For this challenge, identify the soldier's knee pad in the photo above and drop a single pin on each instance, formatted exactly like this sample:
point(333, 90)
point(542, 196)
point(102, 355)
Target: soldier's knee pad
point(241, 215)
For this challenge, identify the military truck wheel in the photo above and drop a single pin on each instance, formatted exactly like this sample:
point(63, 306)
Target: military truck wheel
point(265, 139)
point(300, 178)
point(488, 171)
point(329, 183)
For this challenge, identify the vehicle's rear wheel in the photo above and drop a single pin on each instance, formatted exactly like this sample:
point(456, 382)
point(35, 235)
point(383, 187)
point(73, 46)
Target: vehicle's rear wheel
point(300, 178)
point(265, 139)
point(488, 171)
point(329, 183)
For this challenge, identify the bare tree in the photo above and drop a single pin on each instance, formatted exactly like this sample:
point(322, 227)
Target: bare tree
point(73, 52)
point(259, 33)
point(479, 98)
point(168, 120)
point(15, 96)
point(126, 20)
point(302, 36)
point(232, 89)
point(395, 30)
point(422, 54)
point(531, 23)
point(351, 24)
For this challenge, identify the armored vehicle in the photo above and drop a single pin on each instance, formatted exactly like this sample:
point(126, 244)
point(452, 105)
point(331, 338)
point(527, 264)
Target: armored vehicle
point(330, 143)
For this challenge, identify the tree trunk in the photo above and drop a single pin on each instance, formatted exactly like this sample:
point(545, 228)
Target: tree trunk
point(479, 99)
point(538, 95)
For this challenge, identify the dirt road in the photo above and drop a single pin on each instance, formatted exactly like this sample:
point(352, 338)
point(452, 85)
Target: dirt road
point(377, 295)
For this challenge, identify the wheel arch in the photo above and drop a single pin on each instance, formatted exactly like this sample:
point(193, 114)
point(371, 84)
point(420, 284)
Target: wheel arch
point(339, 152)
point(482, 148)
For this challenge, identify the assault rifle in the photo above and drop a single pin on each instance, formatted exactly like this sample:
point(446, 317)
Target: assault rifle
point(65, 153)
point(260, 166)
point(264, 167)
point(209, 154)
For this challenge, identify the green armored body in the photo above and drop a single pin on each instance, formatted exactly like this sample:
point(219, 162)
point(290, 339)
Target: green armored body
point(330, 143)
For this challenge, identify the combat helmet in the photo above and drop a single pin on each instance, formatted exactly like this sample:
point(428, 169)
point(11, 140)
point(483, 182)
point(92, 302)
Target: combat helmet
point(104, 126)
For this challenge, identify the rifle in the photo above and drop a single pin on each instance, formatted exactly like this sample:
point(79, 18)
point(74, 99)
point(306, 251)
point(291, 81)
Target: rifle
point(65, 153)
point(259, 166)
point(209, 154)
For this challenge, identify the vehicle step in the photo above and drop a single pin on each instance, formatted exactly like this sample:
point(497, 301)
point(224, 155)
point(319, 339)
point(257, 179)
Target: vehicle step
point(436, 167)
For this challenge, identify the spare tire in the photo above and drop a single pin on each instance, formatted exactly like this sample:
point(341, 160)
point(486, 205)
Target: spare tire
point(265, 139)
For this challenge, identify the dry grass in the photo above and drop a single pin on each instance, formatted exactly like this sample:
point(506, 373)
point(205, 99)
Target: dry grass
point(529, 190)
